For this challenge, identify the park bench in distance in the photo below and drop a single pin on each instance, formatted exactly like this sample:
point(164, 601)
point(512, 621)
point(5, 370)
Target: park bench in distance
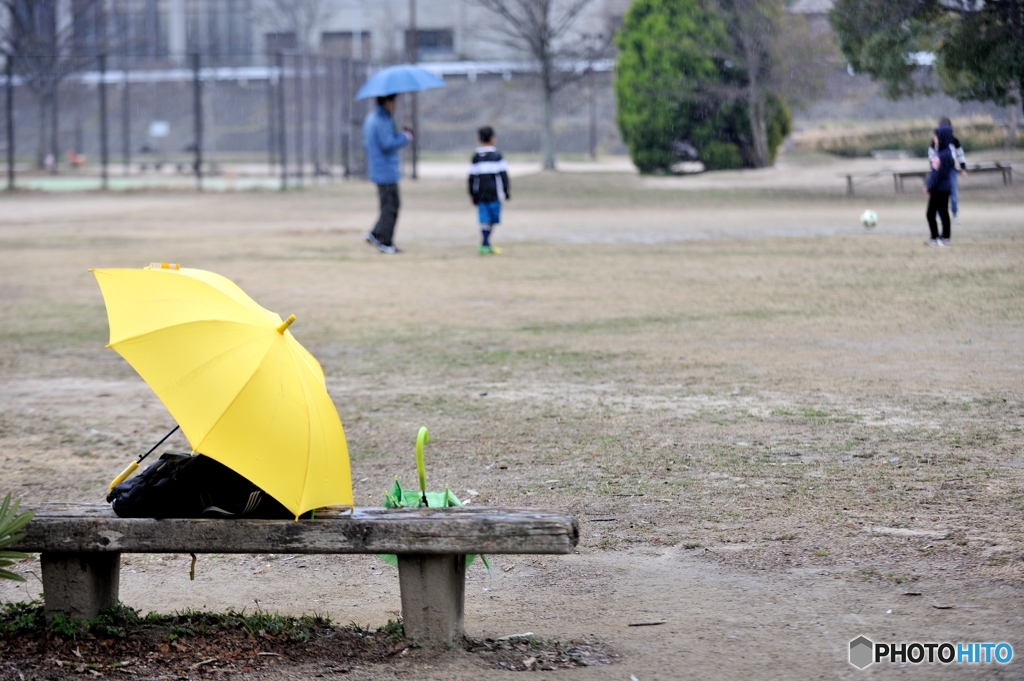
point(81, 547)
point(1003, 168)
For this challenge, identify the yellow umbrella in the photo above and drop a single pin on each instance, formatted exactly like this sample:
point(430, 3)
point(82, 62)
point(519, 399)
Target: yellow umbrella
point(243, 390)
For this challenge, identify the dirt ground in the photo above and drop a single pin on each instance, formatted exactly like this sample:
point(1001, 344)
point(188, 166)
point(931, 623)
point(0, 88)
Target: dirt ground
point(778, 430)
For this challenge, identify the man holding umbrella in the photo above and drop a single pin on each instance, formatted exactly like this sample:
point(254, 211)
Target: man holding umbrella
point(382, 141)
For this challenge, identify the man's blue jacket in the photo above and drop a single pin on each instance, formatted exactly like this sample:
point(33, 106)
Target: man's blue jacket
point(382, 142)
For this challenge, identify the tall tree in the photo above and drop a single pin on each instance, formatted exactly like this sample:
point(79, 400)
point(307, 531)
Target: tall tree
point(978, 45)
point(754, 27)
point(549, 32)
point(47, 50)
point(770, 60)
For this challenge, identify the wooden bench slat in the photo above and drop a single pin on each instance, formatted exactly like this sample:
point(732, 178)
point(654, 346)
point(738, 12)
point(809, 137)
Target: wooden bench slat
point(89, 528)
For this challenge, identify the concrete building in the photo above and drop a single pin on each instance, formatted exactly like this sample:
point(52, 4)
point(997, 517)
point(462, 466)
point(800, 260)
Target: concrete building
point(155, 31)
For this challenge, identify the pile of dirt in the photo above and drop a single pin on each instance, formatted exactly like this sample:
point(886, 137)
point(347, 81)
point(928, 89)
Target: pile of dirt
point(526, 653)
point(192, 645)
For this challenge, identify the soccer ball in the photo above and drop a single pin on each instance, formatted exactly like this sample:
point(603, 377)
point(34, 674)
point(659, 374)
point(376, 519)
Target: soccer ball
point(868, 219)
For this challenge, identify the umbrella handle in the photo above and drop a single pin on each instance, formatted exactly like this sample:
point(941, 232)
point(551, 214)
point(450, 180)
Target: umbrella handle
point(422, 438)
point(124, 475)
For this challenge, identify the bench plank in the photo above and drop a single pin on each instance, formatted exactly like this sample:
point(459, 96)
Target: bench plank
point(90, 528)
point(81, 547)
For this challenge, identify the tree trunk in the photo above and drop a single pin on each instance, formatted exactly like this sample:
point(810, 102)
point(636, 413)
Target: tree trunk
point(547, 139)
point(756, 106)
point(758, 126)
point(1011, 110)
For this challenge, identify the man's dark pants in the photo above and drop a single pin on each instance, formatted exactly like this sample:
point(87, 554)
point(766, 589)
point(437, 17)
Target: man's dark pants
point(384, 230)
point(938, 202)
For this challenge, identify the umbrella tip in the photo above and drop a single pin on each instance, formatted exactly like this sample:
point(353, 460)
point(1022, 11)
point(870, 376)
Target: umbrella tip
point(285, 324)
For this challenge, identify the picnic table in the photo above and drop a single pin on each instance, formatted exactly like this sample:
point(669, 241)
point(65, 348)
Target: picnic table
point(81, 547)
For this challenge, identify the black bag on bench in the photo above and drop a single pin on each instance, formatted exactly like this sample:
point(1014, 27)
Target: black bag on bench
point(183, 486)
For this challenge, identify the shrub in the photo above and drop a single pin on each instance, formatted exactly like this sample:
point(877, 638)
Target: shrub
point(10, 523)
point(665, 72)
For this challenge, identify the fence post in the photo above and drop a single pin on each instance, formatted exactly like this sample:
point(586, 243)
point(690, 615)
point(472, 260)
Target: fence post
point(271, 122)
point(414, 99)
point(282, 136)
point(103, 121)
point(300, 152)
point(346, 120)
point(197, 113)
point(10, 122)
point(329, 106)
point(314, 114)
point(126, 125)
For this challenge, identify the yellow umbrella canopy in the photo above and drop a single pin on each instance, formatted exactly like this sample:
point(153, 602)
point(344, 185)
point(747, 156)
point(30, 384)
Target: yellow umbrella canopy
point(243, 390)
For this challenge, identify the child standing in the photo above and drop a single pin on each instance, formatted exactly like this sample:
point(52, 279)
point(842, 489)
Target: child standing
point(488, 185)
point(938, 187)
point(960, 163)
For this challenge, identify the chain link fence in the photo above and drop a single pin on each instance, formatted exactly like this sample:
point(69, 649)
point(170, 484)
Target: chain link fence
point(286, 121)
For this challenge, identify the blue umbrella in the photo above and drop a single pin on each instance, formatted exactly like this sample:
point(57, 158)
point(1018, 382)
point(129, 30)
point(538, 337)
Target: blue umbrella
point(396, 79)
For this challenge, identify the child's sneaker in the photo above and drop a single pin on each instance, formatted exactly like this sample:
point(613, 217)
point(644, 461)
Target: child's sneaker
point(484, 250)
point(934, 243)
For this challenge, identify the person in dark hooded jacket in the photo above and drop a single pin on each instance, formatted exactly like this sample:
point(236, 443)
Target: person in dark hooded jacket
point(939, 186)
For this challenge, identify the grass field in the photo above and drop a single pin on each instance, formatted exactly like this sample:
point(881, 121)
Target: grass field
point(738, 386)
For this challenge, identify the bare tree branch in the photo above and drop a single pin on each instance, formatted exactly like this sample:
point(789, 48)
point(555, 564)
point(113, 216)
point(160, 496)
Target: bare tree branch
point(43, 54)
point(547, 32)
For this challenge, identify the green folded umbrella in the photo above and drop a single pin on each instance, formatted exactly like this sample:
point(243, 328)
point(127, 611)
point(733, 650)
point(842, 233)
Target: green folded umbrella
point(401, 498)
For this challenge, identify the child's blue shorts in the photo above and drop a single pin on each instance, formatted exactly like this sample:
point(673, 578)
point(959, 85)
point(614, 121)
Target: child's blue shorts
point(490, 212)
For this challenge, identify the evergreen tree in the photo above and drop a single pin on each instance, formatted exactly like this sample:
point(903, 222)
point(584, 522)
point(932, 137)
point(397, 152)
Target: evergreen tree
point(715, 74)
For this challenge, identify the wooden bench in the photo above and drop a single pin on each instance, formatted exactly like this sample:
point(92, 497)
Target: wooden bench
point(81, 547)
point(897, 178)
point(1004, 169)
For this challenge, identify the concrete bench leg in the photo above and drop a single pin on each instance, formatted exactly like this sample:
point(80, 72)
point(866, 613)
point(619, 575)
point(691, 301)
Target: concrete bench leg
point(80, 584)
point(433, 593)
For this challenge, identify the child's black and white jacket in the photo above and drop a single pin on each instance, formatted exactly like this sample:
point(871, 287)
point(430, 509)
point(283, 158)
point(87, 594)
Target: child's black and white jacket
point(959, 159)
point(488, 176)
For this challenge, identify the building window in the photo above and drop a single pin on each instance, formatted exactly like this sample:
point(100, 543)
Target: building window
point(87, 26)
point(614, 22)
point(343, 44)
point(280, 42)
point(432, 43)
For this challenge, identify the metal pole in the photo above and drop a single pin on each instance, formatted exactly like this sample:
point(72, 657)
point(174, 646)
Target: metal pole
point(414, 98)
point(592, 92)
point(126, 125)
point(197, 119)
point(282, 136)
point(10, 122)
point(300, 152)
point(346, 99)
point(271, 122)
point(104, 155)
point(314, 113)
point(329, 113)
